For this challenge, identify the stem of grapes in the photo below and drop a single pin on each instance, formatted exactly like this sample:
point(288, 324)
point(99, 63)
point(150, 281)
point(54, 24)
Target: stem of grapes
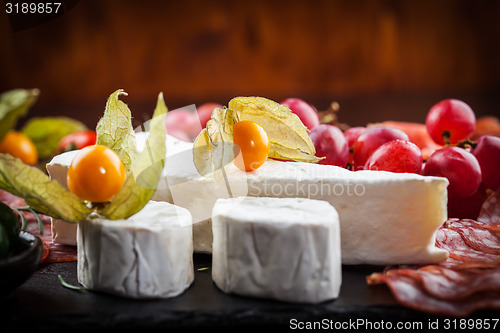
point(446, 137)
point(467, 143)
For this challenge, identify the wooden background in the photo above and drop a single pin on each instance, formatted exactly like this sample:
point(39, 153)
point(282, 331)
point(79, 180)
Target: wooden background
point(379, 59)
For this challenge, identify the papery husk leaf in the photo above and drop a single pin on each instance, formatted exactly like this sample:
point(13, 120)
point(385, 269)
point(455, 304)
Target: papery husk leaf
point(114, 129)
point(277, 151)
point(39, 192)
point(13, 105)
point(146, 169)
point(288, 137)
point(213, 148)
point(202, 156)
point(46, 132)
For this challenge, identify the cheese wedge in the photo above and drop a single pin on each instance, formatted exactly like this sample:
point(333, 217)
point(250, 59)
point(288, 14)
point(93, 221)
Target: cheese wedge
point(286, 249)
point(149, 255)
point(385, 218)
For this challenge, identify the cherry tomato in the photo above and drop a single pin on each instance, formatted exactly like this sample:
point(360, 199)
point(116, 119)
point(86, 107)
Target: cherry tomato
point(251, 145)
point(19, 145)
point(96, 174)
point(77, 140)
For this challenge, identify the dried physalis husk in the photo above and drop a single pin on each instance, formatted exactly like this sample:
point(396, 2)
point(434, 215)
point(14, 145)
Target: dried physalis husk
point(213, 148)
point(288, 137)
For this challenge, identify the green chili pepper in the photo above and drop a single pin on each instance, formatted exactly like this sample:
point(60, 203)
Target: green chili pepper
point(9, 230)
point(4, 243)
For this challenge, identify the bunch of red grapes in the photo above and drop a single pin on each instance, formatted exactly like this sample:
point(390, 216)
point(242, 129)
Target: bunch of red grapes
point(472, 168)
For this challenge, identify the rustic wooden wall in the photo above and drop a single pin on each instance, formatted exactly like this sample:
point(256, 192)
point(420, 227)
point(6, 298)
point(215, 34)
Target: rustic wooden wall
point(197, 51)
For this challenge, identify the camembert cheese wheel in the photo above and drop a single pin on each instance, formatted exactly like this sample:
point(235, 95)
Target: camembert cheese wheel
point(149, 255)
point(284, 249)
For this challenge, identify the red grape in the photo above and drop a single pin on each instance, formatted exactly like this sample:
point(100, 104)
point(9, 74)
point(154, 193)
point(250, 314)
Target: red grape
point(459, 166)
point(352, 135)
point(487, 152)
point(205, 112)
point(469, 207)
point(330, 142)
point(182, 124)
point(179, 134)
point(307, 113)
point(450, 121)
point(396, 156)
point(371, 139)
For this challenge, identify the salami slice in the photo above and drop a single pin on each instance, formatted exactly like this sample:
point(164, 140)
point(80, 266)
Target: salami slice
point(411, 293)
point(452, 241)
point(477, 237)
point(468, 281)
point(490, 211)
point(453, 284)
point(45, 252)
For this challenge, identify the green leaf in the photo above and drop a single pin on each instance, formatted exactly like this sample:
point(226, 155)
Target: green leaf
point(45, 196)
point(69, 286)
point(145, 172)
point(114, 129)
point(13, 105)
point(46, 132)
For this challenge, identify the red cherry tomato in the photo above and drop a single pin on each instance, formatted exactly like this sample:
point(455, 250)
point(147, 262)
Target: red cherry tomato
point(77, 140)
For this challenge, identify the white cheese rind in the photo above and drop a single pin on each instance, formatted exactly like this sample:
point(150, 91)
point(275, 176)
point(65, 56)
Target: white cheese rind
point(62, 231)
point(385, 218)
point(283, 249)
point(149, 255)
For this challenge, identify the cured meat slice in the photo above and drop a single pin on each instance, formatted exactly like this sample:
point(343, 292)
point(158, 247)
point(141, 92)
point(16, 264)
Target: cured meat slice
point(452, 284)
point(410, 292)
point(490, 211)
point(61, 253)
point(476, 236)
point(52, 252)
point(468, 281)
point(453, 242)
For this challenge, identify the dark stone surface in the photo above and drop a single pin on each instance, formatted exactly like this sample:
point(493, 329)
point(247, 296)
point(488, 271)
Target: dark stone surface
point(43, 304)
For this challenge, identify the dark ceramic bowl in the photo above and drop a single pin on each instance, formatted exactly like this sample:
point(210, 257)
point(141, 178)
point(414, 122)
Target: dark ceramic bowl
point(17, 268)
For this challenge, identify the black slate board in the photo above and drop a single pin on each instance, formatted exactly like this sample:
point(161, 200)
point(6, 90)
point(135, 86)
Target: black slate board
point(43, 304)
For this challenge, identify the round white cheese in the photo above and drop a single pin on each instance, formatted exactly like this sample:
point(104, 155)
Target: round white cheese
point(149, 255)
point(284, 249)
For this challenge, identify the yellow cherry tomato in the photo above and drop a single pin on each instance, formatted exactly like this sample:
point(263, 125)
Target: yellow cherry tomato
point(96, 174)
point(251, 145)
point(19, 145)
